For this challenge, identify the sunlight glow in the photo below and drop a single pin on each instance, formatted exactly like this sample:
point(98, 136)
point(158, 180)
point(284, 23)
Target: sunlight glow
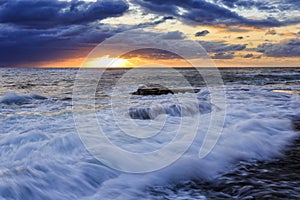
point(106, 61)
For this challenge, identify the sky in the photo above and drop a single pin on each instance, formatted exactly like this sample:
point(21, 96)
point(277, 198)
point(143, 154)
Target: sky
point(233, 33)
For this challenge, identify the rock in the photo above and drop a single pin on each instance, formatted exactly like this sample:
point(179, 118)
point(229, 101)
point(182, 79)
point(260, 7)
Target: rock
point(152, 91)
point(296, 125)
point(162, 90)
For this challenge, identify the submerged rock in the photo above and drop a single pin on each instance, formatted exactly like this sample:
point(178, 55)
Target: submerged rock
point(296, 125)
point(160, 90)
point(19, 99)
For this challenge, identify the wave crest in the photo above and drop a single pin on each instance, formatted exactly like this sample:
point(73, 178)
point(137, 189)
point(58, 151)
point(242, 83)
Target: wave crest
point(177, 110)
point(20, 99)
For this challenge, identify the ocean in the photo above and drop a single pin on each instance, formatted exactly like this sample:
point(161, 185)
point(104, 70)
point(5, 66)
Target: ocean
point(58, 142)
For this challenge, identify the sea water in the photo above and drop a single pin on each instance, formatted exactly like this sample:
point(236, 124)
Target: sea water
point(257, 154)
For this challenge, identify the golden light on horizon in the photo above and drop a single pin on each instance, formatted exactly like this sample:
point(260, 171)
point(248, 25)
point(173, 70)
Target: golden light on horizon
point(107, 61)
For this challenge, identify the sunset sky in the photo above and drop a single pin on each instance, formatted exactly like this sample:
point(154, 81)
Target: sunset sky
point(235, 33)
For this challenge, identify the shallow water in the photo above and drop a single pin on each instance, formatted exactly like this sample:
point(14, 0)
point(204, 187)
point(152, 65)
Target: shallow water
point(256, 157)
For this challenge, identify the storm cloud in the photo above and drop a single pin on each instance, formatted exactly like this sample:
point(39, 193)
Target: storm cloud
point(221, 46)
point(33, 32)
point(52, 13)
point(223, 55)
point(201, 33)
point(151, 53)
point(249, 55)
point(263, 5)
point(207, 13)
point(289, 48)
point(174, 35)
point(19, 46)
point(40, 31)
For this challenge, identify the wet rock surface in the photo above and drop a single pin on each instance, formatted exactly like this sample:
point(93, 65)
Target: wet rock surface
point(296, 125)
point(160, 90)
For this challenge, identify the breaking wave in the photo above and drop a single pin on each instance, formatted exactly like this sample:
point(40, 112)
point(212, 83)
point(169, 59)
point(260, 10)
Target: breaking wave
point(177, 110)
point(20, 99)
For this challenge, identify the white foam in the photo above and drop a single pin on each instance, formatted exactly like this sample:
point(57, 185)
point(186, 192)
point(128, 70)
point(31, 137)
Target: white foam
point(42, 157)
point(19, 99)
point(177, 110)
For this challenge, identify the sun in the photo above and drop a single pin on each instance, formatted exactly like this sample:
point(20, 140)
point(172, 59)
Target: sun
point(107, 62)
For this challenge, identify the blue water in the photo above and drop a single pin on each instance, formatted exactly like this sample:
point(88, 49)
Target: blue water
point(43, 157)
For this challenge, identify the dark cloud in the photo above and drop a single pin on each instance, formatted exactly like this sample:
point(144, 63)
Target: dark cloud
point(150, 53)
point(206, 13)
point(221, 46)
point(201, 33)
point(22, 47)
point(221, 49)
point(173, 35)
point(289, 48)
point(240, 37)
point(223, 55)
point(50, 30)
point(52, 13)
point(249, 55)
point(246, 4)
point(263, 5)
point(34, 31)
point(140, 39)
point(153, 23)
